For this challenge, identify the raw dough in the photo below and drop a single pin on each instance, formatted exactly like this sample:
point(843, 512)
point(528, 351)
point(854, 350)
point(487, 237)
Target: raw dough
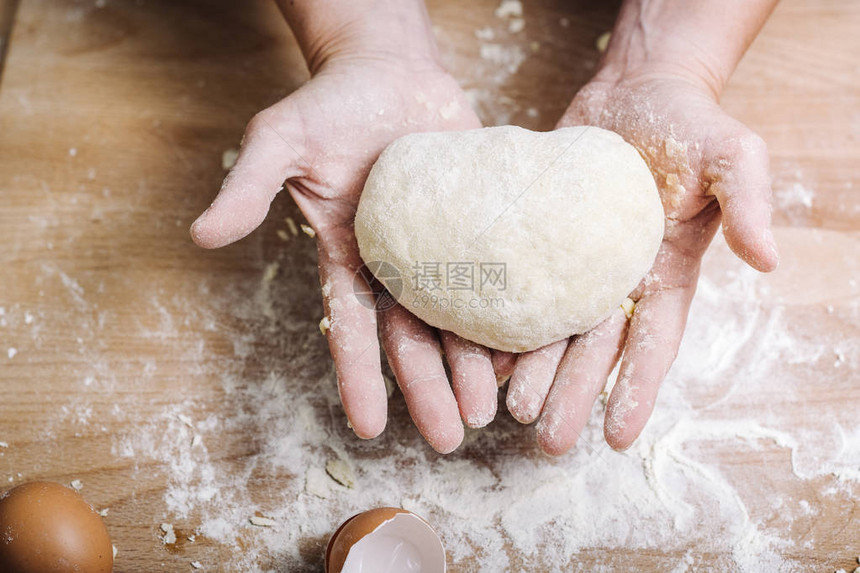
point(508, 237)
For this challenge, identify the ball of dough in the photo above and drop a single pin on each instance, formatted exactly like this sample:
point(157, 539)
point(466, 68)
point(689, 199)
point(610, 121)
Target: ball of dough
point(508, 237)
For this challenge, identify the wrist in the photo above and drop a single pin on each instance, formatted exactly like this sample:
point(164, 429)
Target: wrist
point(373, 30)
point(698, 42)
point(635, 73)
point(633, 56)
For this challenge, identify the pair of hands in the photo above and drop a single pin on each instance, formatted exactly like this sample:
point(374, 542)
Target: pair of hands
point(323, 139)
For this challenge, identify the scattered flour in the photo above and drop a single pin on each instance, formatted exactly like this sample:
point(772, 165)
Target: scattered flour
point(519, 509)
point(503, 48)
point(793, 198)
point(508, 58)
point(743, 368)
point(693, 490)
point(509, 9)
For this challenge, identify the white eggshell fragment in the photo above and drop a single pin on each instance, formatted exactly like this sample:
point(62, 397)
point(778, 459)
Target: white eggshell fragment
point(386, 540)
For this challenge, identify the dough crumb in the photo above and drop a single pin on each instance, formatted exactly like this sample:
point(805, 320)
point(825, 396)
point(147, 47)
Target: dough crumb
point(675, 149)
point(4, 444)
point(185, 420)
point(282, 235)
point(604, 397)
point(308, 230)
point(674, 191)
point(260, 521)
point(228, 159)
point(104, 512)
point(76, 484)
point(196, 565)
point(169, 537)
point(270, 272)
point(602, 41)
point(316, 483)
point(113, 547)
point(325, 324)
point(12, 352)
point(628, 306)
point(390, 385)
point(516, 25)
point(341, 472)
point(291, 225)
point(485, 33)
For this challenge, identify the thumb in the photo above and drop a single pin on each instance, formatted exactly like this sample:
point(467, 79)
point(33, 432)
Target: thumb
point(739, 177)
point(268, 156)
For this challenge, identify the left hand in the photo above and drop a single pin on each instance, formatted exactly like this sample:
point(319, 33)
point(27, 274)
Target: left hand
point(707, 166)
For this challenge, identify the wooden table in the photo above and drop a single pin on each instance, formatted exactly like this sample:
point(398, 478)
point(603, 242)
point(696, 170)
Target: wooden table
point(193, 388)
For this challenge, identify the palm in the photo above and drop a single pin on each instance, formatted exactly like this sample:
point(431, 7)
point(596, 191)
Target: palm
point(703, 161)
point(323, 140)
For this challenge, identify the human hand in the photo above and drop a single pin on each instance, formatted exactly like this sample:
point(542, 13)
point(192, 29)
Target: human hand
point(322, 140)
point(708, 167)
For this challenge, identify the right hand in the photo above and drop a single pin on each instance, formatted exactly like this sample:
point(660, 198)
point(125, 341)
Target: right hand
point(322, 140)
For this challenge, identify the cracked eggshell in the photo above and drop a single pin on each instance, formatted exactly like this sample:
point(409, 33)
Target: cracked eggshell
point(48, 528)
point(385, 540)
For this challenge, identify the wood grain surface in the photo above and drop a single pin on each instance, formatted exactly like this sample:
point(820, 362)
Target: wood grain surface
point(119, 338)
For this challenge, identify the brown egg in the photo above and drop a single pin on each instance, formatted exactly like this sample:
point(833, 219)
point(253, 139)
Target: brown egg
point(48, 528)
point(385, 540)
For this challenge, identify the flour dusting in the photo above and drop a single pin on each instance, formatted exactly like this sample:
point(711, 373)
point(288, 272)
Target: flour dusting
point(517, 508)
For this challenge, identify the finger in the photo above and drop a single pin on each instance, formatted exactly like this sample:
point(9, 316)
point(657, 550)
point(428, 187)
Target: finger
point(472, 378)
point(266, 159)
point(503, 365)
point(580, 379)
point(532, 379)
point(352, 339)
point(739, 176)
point(652, 344)
point(416, 359)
